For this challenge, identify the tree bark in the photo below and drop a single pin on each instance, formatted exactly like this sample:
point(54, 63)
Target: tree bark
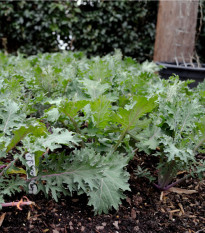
point(176, 30)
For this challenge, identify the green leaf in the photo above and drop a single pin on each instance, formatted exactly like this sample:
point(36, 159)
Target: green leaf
point(103, 178)
point(174, 152)
point(200, 134)
point(99, 70)
point(81, 172)
point(72, 108)
point(149, 67)
point(52, 114)
point(94, 88)
point(127, 117)
point(19, 134)
point(54, 189)
point(181, 115)
point(101, 112)
point(58, 137)
point(111, 186)
point(1, 201)
point(10, 116)
point(11, 186)
point(149, 138)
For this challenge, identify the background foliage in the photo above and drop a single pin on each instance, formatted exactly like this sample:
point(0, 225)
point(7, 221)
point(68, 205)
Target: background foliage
point(94, 27)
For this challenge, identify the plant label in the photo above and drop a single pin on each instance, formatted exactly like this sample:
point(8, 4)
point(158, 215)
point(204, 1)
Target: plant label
point(31, 172)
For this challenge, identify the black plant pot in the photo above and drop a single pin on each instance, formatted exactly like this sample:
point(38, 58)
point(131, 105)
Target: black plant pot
point(184, 72)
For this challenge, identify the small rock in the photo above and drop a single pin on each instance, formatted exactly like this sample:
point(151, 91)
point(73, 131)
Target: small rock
point(75, 200)
point(116, 225)
point(137, 200)
point(53, 226)
point(133, 214)
point(136, 228)
point(128, 200)
point(99, 228)
point(104, 224)
point(82, 228)
point(55, 231)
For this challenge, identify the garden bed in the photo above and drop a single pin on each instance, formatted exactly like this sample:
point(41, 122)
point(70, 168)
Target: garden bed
point(99, 145)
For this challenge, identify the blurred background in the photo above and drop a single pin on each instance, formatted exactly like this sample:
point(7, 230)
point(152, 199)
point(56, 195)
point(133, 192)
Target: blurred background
point(95, 27)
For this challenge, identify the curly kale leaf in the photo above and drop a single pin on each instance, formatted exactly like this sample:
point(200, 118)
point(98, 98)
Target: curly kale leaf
point(102, 178)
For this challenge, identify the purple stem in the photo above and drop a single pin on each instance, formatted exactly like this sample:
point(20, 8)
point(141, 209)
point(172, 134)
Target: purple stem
point(50, 175)
point(171, 185)
point(2, 166)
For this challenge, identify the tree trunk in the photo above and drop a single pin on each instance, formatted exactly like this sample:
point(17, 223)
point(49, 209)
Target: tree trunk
point(175, 32)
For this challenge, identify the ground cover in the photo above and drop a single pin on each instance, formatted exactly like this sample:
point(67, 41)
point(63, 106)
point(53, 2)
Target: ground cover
point(108, 133)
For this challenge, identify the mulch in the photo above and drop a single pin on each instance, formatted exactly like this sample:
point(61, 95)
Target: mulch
point(143, 211)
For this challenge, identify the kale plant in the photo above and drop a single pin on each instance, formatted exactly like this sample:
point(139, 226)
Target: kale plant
point(73, 115)
point(77, 117)
point(176, 131)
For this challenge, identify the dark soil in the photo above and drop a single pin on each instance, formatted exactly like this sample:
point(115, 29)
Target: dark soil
point(142, 211)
